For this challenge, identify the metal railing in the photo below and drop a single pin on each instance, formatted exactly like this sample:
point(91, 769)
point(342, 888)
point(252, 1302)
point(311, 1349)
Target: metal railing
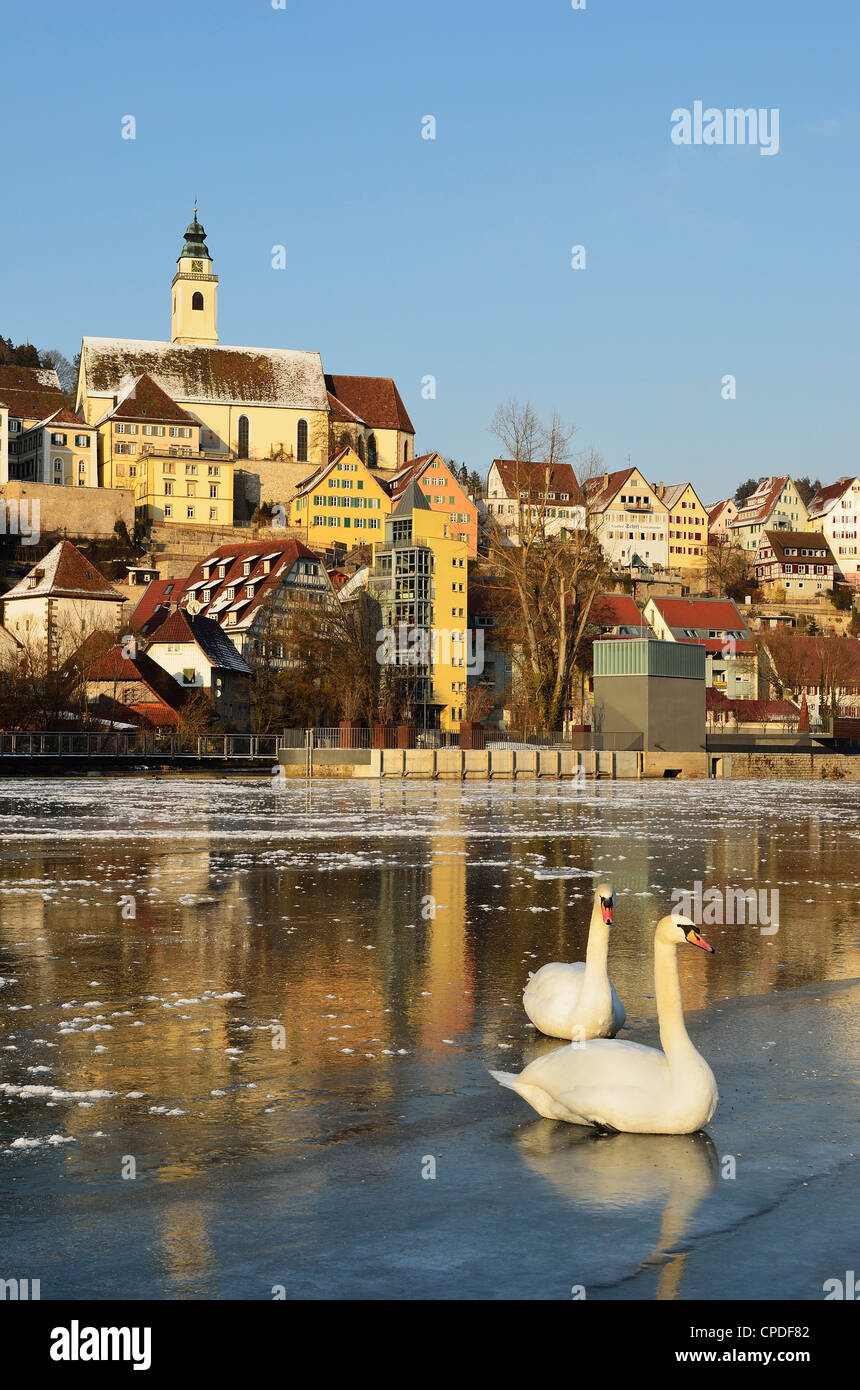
point(139, 743)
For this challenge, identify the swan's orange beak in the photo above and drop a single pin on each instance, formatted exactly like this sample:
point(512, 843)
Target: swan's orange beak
point(695, 938)
point(606, 909)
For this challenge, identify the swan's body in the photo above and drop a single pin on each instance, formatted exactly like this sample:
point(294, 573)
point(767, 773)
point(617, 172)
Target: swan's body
point(579, 1001)
point(623, 1085)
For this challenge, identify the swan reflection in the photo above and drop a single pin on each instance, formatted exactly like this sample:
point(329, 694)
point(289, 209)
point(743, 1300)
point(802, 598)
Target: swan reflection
point(622, 1173)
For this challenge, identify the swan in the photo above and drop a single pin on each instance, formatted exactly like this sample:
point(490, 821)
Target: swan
point(579, 1001)
point(622, 1085)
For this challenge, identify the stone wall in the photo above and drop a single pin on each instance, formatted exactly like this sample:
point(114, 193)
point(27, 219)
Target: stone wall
point(75, 511)
point(818, 767)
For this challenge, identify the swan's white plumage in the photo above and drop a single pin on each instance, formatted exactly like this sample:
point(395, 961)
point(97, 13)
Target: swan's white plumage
point(623, 1085)
point(578, 1000)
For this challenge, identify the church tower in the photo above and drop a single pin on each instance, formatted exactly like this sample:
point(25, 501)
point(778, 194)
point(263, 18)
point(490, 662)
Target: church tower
point(194, 318)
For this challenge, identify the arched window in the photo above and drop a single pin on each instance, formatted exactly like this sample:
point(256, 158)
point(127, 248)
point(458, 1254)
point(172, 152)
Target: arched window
point(360, 449)
point(406, 451)
point(302, 441)
point(197, 300)
point(244, 432)
point(371, 450)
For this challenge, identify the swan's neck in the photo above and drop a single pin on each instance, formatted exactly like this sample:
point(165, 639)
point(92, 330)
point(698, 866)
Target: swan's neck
point(670, 1010)
point(597, 950)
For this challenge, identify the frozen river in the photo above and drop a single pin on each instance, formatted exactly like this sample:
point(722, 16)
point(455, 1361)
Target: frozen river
point(242, 1024)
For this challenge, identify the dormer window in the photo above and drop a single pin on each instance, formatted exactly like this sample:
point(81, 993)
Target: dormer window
point(222, 570)
point(231, 592)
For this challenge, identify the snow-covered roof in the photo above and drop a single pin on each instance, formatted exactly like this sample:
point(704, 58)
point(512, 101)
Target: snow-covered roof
point(196, 373)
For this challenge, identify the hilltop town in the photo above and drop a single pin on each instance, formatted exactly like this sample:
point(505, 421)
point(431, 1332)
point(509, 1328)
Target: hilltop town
point(204, 537)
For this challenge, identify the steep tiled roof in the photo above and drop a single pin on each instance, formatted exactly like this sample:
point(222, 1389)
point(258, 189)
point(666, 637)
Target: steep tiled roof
point(801, 661)
point(342, 413)
point(375, 399)
point(143, 399)
point(64, 573)
point(615, 610)
point(153, 607)
point(826, 497)
point(282, 556)
point(126, 670)
point(600, 491)
point(219, 375)
point(519, 476)
point(181, 626)
point(759, 505)
point(781, 541)
point(715, 511)
point(673, 493)
point(65, 416)
point(700, 613)
point(31, 393)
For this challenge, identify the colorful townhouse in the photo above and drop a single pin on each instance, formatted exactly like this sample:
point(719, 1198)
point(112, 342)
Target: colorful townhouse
point(798, 562)
point(776, 505)
point(531, 494)
point(731, 655)
point(342, 501)
point(720, 517)
point(420, 580)
point(629, 519)
point(443, 493)
point(834, 512)
point(688, 526)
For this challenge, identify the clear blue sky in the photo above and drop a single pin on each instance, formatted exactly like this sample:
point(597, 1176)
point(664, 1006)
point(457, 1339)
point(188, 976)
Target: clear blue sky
point(451, 257)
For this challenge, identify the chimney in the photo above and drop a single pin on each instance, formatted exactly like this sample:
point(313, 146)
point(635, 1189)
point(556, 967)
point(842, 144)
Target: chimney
point(604, 480)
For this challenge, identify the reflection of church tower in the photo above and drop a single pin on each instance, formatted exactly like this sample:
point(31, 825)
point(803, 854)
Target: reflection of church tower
point(195, 291)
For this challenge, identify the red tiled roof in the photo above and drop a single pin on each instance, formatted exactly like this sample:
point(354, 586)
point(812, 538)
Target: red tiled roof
point(285, 555)
point(146, 400)
point(375, 399)
point(600, 493)
point(818, 504)
point(615, 610)
point(717, 508)
point(780, 541)
point(65, 416)
point(699, 613)
point(759, 505)
point(517, 476)
point(342, 413)
point(65, 573)
point(801, 661)
point(30, 392)
point(154, 602)
point(750, 711)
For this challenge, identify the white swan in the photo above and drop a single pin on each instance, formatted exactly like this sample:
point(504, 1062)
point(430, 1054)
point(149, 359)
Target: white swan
point(622, 1085)
point(579, 1001)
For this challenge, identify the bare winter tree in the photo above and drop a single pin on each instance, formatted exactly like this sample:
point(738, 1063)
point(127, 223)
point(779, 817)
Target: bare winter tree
point(550, 580)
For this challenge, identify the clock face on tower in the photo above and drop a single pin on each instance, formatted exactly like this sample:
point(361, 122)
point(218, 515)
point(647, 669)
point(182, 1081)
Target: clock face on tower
point(197, 266)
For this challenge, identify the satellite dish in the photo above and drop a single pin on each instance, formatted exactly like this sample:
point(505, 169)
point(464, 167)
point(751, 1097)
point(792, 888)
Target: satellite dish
point(193, 607)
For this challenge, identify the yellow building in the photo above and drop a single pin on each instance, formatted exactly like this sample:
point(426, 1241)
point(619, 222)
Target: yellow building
point(151, 445)
point(420, 579)
point(342, 501)
point(688, 526)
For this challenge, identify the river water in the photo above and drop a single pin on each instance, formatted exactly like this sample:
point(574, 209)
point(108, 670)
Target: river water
point(245, 1033)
